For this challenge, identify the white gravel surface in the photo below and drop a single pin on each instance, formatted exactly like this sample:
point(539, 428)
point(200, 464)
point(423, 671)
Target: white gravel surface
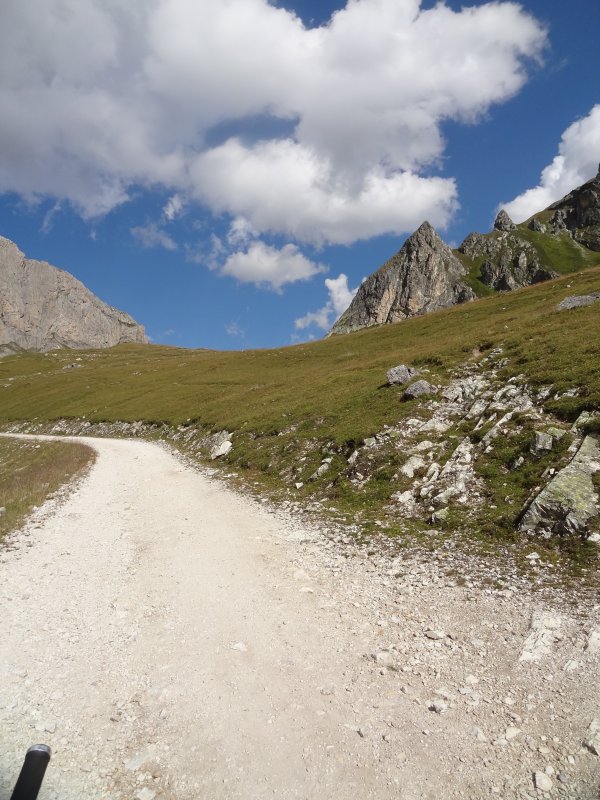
point(169, 638)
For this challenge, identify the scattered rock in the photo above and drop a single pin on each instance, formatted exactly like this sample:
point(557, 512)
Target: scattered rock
point(592, 742)
point(542, 442)
point(542, 782)
point(435, 635)
point(543, 632)
point(413, 465)
point(578, 301)
point(396, 376)
point(418, 389)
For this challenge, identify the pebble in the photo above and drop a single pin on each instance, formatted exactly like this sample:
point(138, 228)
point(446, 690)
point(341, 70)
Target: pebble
point(542, 781)
point(435, 635)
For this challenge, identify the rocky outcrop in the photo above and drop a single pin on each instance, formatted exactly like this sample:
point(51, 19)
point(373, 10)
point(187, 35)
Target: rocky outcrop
point(578, 301)
point(503, 222)
point(510, 261)
point(579, 213)
point(44, 308)
point(423, 276)
point(568, 503)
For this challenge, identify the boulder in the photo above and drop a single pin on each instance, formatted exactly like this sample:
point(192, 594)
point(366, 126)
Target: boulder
point(423, 276)
point(577, 301)
point(44, 308)
point(569, 502)
point(396, 376)
point(418, 389)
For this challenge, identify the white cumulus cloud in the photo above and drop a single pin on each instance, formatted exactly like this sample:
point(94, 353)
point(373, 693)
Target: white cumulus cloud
point(99, 99)
point(153, 236)
point(340, 297)
point(270, 266)
point(576, 163)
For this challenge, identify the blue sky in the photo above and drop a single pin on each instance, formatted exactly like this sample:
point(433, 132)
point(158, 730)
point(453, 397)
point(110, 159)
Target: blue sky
point(227, 173)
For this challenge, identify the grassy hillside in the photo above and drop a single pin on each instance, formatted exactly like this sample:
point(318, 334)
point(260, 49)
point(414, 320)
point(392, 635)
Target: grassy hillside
point(335, 385)
point(289, 408)
point(31, 471)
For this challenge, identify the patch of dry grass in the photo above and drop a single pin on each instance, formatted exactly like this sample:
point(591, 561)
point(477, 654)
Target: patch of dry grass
point(31, 471)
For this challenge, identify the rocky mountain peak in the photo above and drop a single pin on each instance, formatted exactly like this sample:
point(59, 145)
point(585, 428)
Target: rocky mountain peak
point(503, 222)
point(44, 308)
point(579, 213)
point(423, 276)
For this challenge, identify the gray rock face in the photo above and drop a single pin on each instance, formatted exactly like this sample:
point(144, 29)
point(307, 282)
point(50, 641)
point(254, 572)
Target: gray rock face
point(511, 262)
point(579, 213)
point(577, 301)
point(418, 389)
point(423, 276)
point(396, 376)
point(568, 503)
point(44, 308)
point(503, 222)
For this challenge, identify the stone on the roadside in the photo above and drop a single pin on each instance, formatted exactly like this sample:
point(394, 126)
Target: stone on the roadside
point(592, 742)
point(418, 389)
point(511, 733)
point(570, 501)
point(221, 449)
point(542, 782)
point(383, 658)
point(438, 706)
point(435, 635)
point(396, 376)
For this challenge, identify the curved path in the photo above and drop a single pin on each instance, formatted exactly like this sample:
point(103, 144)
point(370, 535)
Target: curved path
point(173, 640)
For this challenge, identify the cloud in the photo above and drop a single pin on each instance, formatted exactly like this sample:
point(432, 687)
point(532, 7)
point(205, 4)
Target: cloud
point(576, 163)
point(241, 232)
point(234, 329)
point(153, 236)
point(128, 96)
point(340, 297)
point(269, 266)
point(173, 207)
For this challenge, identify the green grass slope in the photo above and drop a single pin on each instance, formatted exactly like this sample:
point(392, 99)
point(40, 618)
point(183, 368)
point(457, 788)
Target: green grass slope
point(333, 386)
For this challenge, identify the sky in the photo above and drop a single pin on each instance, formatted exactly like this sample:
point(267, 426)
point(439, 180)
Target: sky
point(229, 172)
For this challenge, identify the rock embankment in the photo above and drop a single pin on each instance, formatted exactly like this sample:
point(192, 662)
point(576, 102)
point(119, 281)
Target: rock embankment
point(44, 308)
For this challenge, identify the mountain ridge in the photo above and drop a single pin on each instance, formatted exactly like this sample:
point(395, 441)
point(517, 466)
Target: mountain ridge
point(558, 240)
point(45, 308)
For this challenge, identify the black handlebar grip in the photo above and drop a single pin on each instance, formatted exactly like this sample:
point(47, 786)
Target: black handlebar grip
point(32, 773)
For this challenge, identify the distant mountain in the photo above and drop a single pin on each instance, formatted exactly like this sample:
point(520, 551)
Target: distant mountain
point(425, 275)
point(44, 308)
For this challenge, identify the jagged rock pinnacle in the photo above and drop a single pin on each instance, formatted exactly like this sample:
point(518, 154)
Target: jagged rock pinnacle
point(423, 276)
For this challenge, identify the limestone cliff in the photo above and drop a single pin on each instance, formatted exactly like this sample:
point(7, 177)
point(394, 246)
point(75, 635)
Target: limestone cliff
point(423, 276)
point(44, 308)
point(579, 212)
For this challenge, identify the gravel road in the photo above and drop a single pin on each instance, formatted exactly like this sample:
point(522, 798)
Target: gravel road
point(171, 639)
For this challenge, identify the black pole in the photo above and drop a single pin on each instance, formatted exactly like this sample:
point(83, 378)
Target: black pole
point(32, 773)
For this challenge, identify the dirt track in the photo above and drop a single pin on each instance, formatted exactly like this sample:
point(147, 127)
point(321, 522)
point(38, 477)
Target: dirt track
point(171, 639)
